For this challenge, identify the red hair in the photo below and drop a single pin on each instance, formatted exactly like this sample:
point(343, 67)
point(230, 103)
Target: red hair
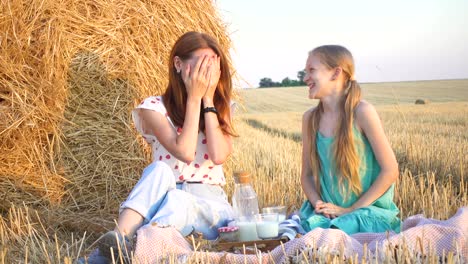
point(175, 97)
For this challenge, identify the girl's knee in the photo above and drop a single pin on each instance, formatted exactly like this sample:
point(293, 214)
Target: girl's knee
point(159, 173)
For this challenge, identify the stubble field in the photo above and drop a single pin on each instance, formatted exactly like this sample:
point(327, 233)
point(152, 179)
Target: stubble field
point(430, 142)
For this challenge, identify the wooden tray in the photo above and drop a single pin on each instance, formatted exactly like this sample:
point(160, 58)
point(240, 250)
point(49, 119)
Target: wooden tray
point(250, 246)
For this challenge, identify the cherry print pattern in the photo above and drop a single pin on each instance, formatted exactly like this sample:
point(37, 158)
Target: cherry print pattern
point(201, 169)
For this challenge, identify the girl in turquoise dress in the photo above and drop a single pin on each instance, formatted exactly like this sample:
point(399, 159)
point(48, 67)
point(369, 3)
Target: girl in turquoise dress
point(348, 166)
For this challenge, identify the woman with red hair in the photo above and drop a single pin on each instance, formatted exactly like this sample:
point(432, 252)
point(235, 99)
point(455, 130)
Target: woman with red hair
point(190, 132)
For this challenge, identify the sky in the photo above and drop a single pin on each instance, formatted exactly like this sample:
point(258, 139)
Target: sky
point(398, 40)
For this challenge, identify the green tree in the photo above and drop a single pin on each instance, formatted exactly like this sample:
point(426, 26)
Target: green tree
point(300, 77)
point(286, 82)
point(266, 82)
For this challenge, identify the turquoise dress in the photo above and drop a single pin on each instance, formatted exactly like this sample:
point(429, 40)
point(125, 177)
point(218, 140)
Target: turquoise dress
point(380, 216)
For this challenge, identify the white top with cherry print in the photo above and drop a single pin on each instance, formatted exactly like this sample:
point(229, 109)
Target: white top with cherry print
point(201, 169)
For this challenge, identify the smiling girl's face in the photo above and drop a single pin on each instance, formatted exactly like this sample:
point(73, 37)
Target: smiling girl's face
point(318, 77)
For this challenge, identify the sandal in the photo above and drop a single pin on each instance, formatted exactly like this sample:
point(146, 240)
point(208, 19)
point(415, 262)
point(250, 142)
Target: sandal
point(114, 245)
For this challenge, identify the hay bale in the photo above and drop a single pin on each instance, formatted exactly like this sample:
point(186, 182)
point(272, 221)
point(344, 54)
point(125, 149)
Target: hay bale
point(70, 73)
point(103, 158)
point(32, 92)
point(421, 101)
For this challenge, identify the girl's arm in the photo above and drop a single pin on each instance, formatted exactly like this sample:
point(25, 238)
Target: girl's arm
point(307, 179)
point(369, 121)
point(182, 146)
point(219, 144)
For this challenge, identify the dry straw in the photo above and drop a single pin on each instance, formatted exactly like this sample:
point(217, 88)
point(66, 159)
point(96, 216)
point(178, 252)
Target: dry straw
point(70, 73)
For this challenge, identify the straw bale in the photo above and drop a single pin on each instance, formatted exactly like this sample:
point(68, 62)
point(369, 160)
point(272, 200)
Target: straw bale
point(30, 99)
point(70, 73)
point(100, 153)
point(422, 101)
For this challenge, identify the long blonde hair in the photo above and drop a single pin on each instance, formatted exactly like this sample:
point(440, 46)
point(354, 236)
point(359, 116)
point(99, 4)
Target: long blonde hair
point(345, 150)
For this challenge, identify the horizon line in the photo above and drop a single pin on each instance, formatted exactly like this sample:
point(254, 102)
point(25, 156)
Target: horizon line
point(422, 80)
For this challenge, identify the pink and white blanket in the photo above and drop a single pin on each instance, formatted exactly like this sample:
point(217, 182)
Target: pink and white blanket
point(420, 234)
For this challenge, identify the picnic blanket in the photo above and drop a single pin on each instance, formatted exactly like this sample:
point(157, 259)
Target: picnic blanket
point(420, 234)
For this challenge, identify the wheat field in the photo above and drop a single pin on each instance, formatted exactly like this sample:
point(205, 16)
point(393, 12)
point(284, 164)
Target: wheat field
point(430, 142)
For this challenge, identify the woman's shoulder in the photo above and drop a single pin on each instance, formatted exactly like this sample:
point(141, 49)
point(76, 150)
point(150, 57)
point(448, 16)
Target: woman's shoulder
point(306, 119)
point(364, 109)
point(152, 99)
point(306, 114)
point(364, 113)
point(154, 103)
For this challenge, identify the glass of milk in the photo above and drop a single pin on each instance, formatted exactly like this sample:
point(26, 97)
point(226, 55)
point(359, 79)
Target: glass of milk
point(267, 225)
point(247, 228)
point(280, 210)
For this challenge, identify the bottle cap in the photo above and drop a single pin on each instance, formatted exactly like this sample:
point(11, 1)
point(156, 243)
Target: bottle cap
point(242, 177)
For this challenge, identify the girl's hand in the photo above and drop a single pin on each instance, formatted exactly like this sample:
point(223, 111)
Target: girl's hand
point(197, 79)
point(318, 205)
point(330, 210)
point(215, 73)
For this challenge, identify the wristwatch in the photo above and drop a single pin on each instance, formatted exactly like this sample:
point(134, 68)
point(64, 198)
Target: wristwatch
point(209, 109)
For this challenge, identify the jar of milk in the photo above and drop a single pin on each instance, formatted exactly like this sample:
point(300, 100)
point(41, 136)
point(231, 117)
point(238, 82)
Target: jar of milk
point(245, 204)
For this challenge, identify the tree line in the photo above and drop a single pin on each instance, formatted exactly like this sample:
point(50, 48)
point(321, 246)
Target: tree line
point(286, 82)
